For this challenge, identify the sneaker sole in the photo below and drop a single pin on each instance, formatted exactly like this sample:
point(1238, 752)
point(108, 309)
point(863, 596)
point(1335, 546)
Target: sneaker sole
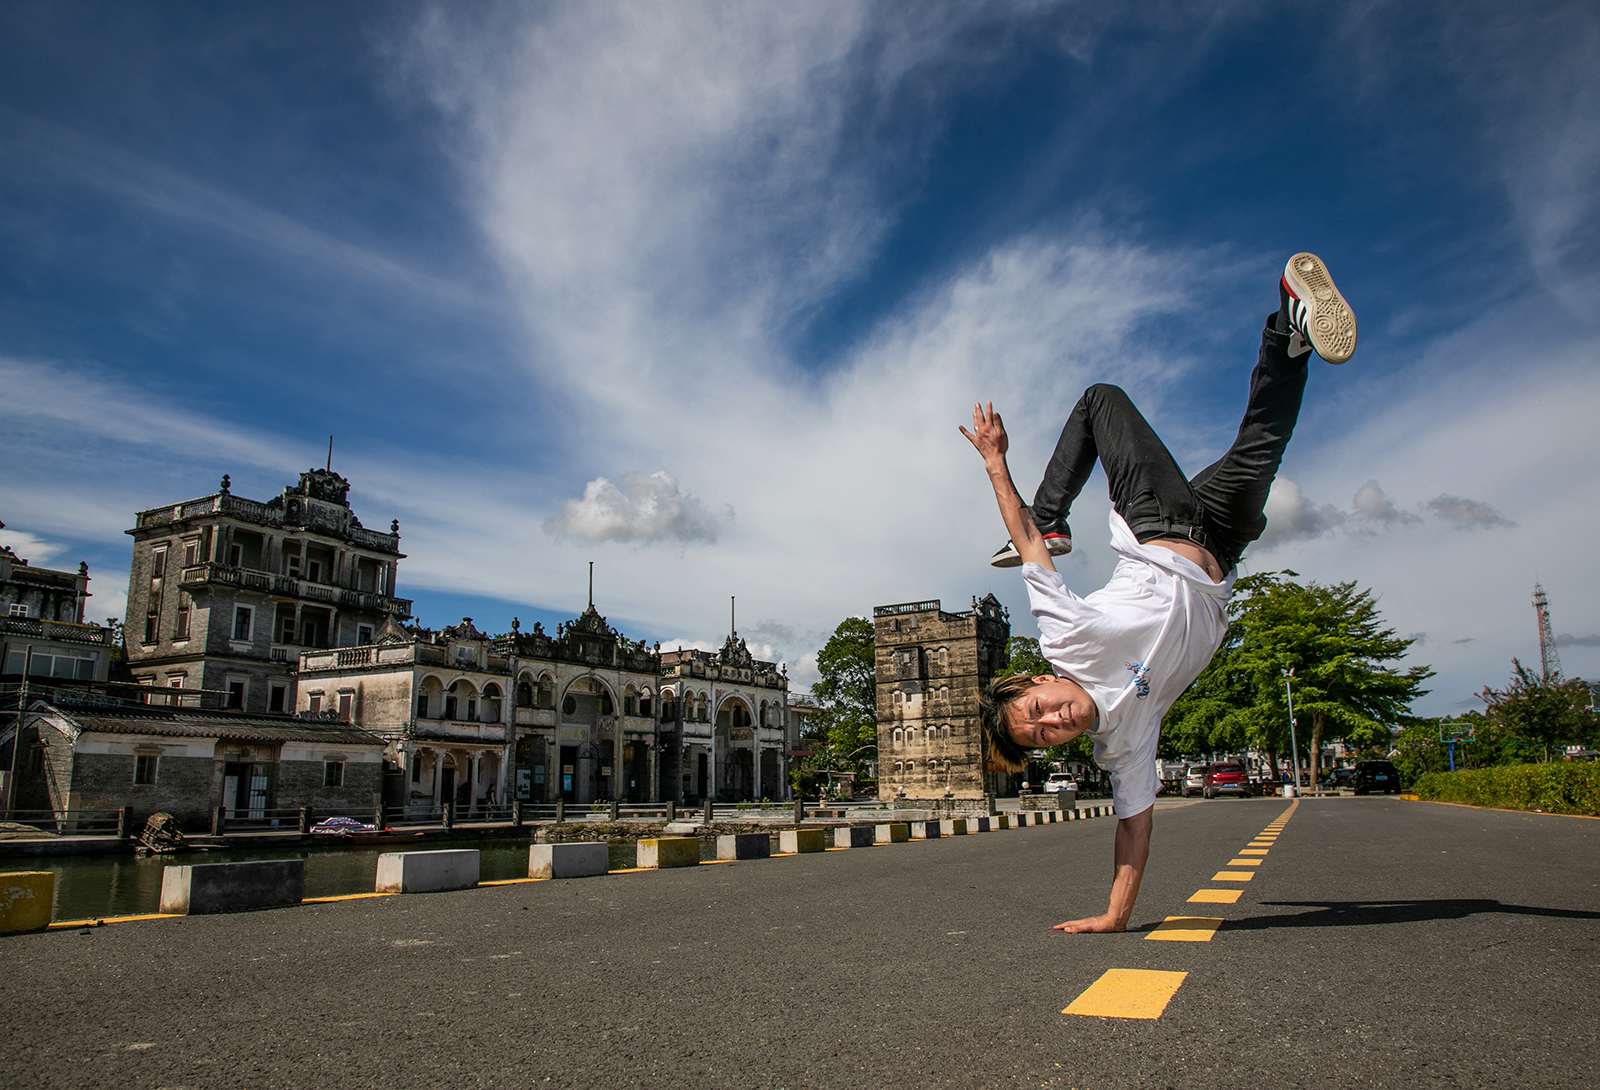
point(1329, 319)
point(1010, 561)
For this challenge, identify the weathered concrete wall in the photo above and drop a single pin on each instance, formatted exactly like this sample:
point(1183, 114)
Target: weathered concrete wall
point(300, 784)
point(183, 787)
point(25, 900)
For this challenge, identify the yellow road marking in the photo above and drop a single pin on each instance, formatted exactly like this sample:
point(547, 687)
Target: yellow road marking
point(1252, 851)
point(114, 919)
point(1258, 842)
point(1215, 896)
point(343, 897)
point(1185, 929)
point(1233, 876)
point(512, 881)
point(1244, 862)
point(1128, 993)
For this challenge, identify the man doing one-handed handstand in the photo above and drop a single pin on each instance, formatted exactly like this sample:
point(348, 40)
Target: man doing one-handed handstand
point(1123, 654)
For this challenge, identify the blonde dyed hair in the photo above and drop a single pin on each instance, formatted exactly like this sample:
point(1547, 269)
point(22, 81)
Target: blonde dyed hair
point(994, 707)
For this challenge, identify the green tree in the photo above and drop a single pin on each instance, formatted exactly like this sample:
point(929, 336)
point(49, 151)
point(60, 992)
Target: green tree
point(1332, 637)
point(1543, 710)
point(847, 725)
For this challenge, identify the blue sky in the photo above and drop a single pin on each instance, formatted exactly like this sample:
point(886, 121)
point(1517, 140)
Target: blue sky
point(700, 292)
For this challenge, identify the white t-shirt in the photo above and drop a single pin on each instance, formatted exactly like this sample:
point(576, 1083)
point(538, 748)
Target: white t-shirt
point(1134, 646)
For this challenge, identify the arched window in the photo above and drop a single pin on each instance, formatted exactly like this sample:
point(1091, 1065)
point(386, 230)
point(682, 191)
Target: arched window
point(491, 703)
point(644, 702)
point(944, 657)
point(944, 732)
point(630, 701)
point(524, 694)
point(705, 709)
point(896, 696)
point(607, 706)
point(899, 736)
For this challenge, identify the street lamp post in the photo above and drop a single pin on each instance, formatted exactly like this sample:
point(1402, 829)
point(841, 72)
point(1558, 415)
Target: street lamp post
point(1294, 745)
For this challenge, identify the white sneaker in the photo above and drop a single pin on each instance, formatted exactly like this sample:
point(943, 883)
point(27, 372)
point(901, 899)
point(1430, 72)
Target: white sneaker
point(1318, 315)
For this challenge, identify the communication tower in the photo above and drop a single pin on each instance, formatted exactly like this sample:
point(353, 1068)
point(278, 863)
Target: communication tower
point(1549, 661)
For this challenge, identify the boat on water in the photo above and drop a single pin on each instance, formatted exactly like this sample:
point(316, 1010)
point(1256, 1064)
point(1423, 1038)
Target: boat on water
point(350, 831)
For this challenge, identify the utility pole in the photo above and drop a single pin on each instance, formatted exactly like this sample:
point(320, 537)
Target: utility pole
point(16, 731)
point(1294, 745)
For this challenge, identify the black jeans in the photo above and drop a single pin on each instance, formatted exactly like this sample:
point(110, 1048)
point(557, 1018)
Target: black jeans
point(1221, 508)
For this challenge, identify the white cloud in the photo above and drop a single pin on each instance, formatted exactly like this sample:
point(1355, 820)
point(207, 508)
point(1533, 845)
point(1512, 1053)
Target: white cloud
point(1466, 514)
point(1372, 503)
point(1292, 515)
point(30, 547)
point(648, 507)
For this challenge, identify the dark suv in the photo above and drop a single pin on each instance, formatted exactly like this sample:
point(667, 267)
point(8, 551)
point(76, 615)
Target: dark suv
point(1226, 779)
point(1376, 776)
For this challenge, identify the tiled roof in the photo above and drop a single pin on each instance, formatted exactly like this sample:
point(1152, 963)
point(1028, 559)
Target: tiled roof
point(187, 723)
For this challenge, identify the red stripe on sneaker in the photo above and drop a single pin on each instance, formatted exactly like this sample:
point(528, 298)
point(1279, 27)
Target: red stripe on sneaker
point(1284, 280)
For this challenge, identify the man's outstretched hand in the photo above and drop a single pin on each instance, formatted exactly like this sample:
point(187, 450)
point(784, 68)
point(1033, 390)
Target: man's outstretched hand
point(1094, 925)
point(988, 434)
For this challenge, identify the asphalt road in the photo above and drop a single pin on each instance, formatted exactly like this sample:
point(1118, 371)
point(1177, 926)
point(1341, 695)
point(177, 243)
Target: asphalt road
point(1380, 943)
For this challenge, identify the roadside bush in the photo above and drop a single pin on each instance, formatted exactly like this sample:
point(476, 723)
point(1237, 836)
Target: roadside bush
point(1563, 787)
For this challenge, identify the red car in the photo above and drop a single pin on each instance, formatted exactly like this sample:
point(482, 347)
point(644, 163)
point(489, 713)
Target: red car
point(1226, 779)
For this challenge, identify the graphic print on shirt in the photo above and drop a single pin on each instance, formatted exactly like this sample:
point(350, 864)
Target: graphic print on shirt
point(1141, 679)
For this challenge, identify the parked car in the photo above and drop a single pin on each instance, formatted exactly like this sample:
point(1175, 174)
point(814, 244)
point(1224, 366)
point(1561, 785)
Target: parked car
point(1058, 782)
point(1376, 776)
point(1226, 779)
point(1194, 779)
point(1340, 777)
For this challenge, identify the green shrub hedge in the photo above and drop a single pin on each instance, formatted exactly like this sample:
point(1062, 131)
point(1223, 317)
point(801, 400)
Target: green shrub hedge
point(1563, 787)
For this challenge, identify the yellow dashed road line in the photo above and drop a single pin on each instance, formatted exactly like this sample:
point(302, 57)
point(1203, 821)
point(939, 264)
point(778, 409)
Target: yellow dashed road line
point(1128, 993)
point(1232, 876)
point(1215, 896)
point(1185, 929)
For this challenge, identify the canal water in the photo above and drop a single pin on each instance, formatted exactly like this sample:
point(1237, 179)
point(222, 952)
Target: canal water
point(95, 886)
point(90, 887)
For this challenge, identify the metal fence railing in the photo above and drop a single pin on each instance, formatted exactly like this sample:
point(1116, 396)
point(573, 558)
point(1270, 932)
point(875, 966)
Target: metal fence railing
point(71, 822)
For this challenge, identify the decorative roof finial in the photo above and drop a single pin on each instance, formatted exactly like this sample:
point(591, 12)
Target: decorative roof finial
point(394, 527)
point(225, 484)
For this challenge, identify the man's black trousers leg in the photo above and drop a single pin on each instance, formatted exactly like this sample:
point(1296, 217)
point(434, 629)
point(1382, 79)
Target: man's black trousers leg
point(1221, 508)
point(1148, 489)
point(1233, 490)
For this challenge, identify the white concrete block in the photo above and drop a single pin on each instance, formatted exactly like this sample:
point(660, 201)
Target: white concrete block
point(568, 860)
point(427, 872)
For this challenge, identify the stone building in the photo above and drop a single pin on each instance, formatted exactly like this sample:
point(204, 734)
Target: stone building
point(527, 715)
point(42, 611)
point(931, 666)
point(728, 729)
point(225, 592)
point(188, 761)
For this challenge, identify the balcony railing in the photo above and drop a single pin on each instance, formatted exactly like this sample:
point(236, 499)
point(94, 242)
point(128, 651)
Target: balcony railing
point(65, 631)
point(250, 579)
point(222, 503)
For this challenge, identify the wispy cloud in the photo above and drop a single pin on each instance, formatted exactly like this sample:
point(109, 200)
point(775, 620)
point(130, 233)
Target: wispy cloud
point(75, 158)
point(1466, 514)
point(1566, 639)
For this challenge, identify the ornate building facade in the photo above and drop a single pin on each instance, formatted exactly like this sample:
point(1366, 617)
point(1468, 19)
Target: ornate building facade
point(224, 592)
point(585, 714)
point(42, 624)
point(931, 666)
point(729, 729)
